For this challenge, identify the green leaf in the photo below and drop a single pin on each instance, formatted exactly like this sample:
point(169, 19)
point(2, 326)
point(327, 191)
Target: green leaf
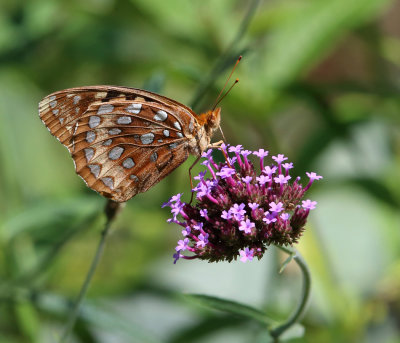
point(27, 320)
point(230, 306)
point(264, 337)
point(295, 331)
point(307, 34)
point(286, 262)
point(203, 329)
point(96, 314)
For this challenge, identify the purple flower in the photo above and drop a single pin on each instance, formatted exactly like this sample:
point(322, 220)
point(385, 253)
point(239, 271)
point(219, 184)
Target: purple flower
point(186, 231)
point(285, 216)
point(262, 179)
point(281, 179)
point(246, 226)
point(273, 207)
point(313, 176)
point(269, 218)
point(245, 153)
point(308, 204)
point(232, 160)
point(241, 209)
point(203, 240)
point(238, 211)
point(176, 256)
point(247, 179)
point(203, 213)
point(202, 190)
point(226, 172)
point(270, 170)
point(174, 198)
point(226, 214)
point(246, 255)
point(198, 226)
point(287, 167)
point(236, 149)
point(279, 159)
point(253, 205)
point(261, 153)
point(182, 244)
point(200, 176)
point(207, 154)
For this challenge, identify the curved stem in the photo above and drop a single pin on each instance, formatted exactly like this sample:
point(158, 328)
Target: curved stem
point(305, 294)
point(110, 210)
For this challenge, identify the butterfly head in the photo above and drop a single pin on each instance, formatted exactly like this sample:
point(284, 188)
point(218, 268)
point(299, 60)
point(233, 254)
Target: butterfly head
point(213, 120)
point(208, 122)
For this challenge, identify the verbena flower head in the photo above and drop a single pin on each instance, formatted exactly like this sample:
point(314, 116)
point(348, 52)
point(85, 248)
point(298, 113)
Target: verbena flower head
point(241, 209)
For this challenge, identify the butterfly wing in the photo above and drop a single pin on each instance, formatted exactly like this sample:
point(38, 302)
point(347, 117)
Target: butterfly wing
point(122, 140)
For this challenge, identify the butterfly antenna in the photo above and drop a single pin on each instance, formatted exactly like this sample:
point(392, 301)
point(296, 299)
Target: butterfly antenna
point(217, 101)
point(220, 129)
point(230, 88)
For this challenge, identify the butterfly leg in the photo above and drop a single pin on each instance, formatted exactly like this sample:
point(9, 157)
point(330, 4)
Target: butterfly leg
point(217, 145)
point(190, 176)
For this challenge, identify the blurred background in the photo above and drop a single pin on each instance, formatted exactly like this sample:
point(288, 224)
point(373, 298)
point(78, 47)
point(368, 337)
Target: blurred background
point(319, 82)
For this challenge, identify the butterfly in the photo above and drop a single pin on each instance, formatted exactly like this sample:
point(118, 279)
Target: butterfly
point(125, 140)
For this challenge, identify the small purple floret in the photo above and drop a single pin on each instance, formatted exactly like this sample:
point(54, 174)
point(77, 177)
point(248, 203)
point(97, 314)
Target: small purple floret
point(246, 226)
point(308, 204)
point(182, 244)
point(246, 255)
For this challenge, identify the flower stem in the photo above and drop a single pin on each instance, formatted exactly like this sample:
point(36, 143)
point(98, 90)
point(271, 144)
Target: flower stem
point(110, 211)
point(299, 311)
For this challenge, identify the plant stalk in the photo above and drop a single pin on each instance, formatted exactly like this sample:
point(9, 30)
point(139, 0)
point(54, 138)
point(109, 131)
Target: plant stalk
point(305, 294)
point(110, 211)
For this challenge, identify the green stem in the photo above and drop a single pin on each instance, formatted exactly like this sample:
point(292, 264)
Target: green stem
point(299, 311)
point(110, 211)
point(227, 58)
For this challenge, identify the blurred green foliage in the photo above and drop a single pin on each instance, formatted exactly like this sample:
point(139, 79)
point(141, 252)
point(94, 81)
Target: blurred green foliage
point(319, 82)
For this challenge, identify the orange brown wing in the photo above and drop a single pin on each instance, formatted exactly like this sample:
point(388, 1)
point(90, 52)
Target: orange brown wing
point(122, 141)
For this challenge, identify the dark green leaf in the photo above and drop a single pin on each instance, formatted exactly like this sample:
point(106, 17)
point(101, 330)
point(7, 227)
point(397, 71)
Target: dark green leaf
point(230, 306)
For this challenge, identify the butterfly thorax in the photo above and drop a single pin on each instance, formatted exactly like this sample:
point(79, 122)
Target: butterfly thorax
point(208, 123)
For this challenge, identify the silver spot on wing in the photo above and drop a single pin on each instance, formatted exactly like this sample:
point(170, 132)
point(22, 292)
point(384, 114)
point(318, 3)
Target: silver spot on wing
point(114, 131)
point(89, 153)
point(108, 181)
point(124, 120)
point(134, 108)
point(76, 99)
point(94, 169)
point(128, 163)
point(147, 138)
point(115, 153)
point(94, 121)
point(160, 115)
point(90, 136)
point(177, 125)
point(105, 108)
point(153, 157)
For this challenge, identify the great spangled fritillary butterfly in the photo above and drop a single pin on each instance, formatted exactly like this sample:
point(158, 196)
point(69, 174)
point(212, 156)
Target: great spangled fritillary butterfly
point(125, 140)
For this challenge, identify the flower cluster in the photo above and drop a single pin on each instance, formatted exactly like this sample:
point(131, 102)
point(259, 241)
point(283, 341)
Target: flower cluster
point(239, 211)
